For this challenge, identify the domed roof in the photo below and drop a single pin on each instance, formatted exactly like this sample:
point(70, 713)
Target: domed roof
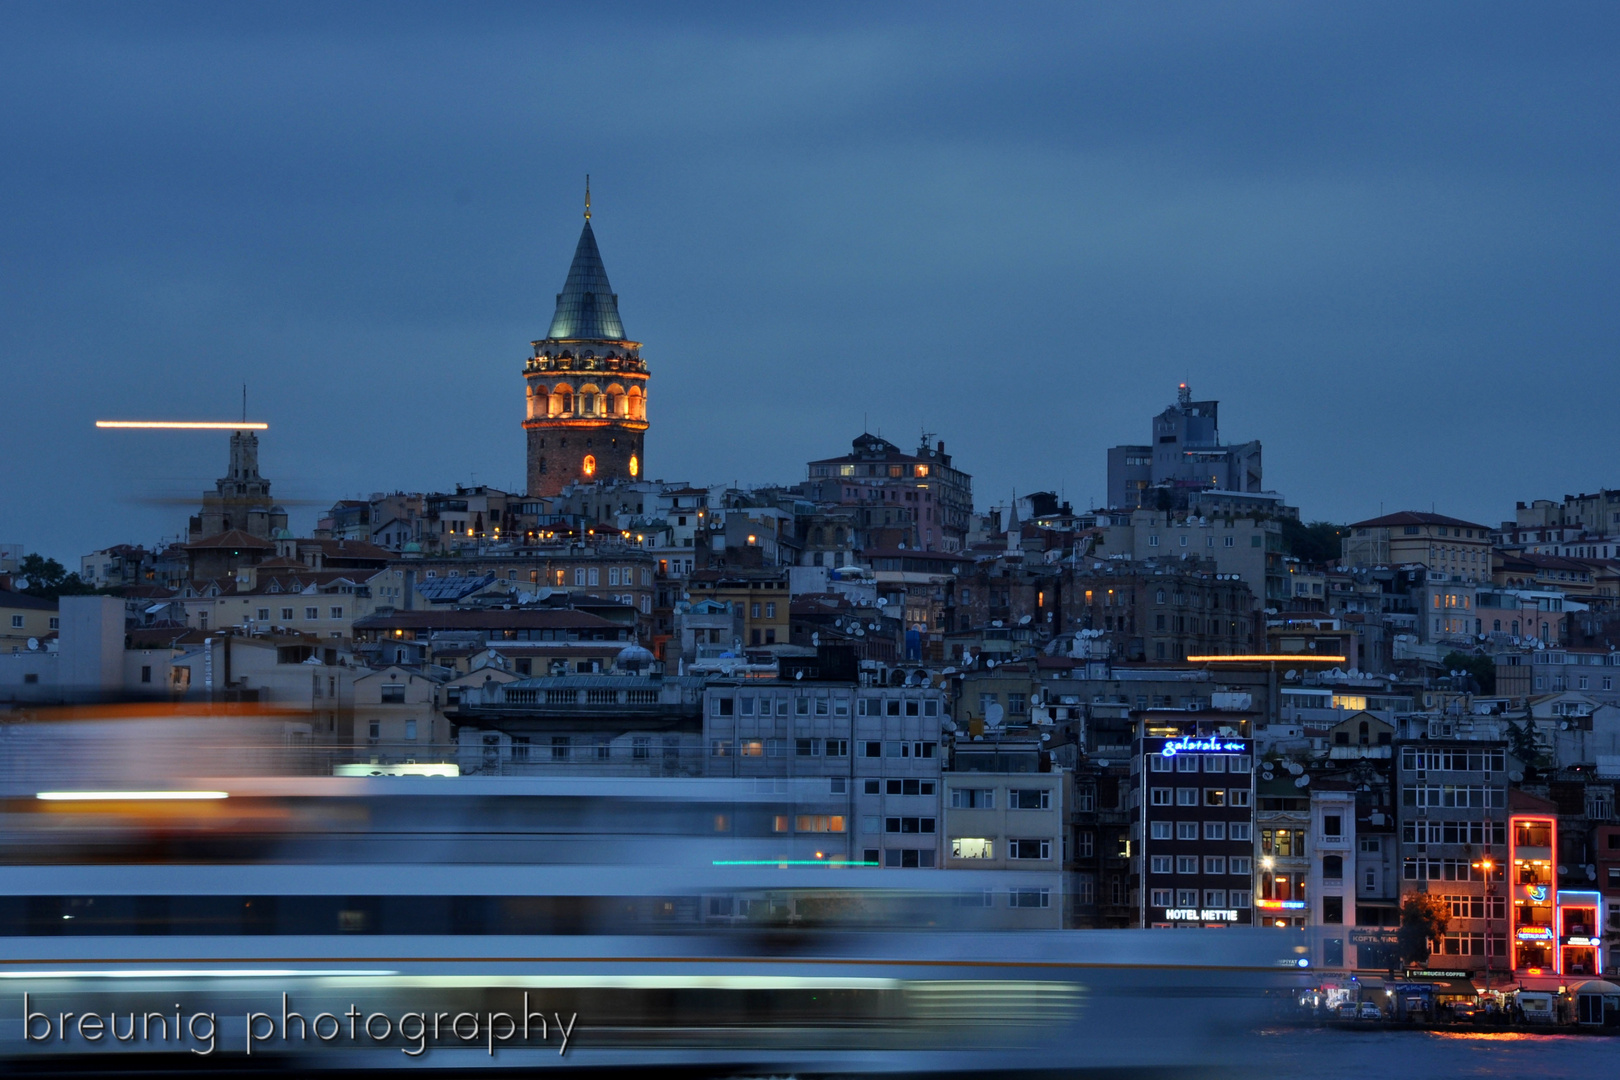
point(281, 534)
point(634, 658)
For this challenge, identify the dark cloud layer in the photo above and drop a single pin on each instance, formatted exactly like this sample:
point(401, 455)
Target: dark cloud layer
point(1384, 236)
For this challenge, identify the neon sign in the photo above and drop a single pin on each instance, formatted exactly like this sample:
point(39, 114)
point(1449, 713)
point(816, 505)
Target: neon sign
point(1538, 893)
point(1201, 914)
point(1280, 905)
point(1211, 745)
point(1535, 933)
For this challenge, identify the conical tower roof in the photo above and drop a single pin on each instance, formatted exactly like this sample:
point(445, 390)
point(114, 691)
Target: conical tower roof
point(587, 308)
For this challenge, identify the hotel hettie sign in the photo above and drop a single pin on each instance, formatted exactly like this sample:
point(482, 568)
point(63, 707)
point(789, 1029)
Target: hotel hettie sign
point(1191, 914)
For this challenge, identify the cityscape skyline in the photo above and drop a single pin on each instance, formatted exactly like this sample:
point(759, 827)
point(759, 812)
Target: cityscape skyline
point(1347, 287)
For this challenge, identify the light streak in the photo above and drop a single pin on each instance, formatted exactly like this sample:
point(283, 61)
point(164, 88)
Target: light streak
point(187, 425)
point(1250, 658)
point(128, 796)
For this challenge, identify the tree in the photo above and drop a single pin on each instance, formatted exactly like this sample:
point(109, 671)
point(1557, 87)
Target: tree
point(1424, 918)
point(1522, 741)
point(1482, 668)
point(50, 580)
point(1313, 544)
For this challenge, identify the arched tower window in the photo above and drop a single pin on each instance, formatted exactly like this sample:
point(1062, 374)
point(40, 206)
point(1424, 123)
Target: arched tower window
point(589, 465)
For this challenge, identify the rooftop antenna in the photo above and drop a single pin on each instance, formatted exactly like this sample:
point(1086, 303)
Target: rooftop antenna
point(587, 196)
point(244, 403)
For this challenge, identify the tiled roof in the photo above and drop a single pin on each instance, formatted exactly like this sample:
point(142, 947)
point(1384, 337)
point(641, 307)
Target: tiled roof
point(1414, 517)
point(587, 308)
point(232, 538)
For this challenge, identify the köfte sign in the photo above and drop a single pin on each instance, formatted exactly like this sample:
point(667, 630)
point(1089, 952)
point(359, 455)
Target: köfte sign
point(1191, 914)
point(1211, 745)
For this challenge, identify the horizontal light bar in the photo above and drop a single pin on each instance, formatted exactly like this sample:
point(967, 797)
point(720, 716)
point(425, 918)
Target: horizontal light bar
point(185, 973)
point(129, 796)
point(1250, 658)
point(789, 862)
point(187, 425)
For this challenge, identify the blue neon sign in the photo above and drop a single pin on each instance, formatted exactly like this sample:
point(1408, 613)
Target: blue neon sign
point(1211, 745)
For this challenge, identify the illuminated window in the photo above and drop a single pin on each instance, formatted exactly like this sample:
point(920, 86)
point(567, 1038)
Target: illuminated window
point(589, 467)
point(972, 848)
point(635, 466)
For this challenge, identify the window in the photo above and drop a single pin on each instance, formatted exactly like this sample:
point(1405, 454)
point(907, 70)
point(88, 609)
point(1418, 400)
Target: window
point(312, 613)
point(1085, 845)
point(1161, 864)
point(836, 747)
point(973, 798)
point(871, 749)
point(1237, 796)
point(1215, 898)
point(337, 612)
point(374, 730)
point(1029, 849)
point(805, 747)
point(1331, 825)
point(1162, 898)
point(1214, 796)
point(263, 614)
point(1187, 796)
point(1029, 898)
point(1214, 830)
point(1186, 763)
point(818, 823)
point(972, 848)
point(393, 693)
point(1029, 799)
point(1159, 796)
point(641, 747)
point(16, 622)
point(1239, 864)
point(1160, 830)
point(1333, 866)
point(1333, 909)
point(1186, 830)
point(1238, 830)
point(287, 614)
point(410, 729)
point(1214, 864)
point(720, 748)
point(1238, 898)
point(146, 673)
point(1186, 864)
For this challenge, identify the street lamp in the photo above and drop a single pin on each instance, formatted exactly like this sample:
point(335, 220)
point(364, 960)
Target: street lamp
point(1485, 866)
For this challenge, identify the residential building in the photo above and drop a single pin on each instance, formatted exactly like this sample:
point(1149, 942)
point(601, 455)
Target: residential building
point(941, 519)
point(1003, 810)
point(1457, 548)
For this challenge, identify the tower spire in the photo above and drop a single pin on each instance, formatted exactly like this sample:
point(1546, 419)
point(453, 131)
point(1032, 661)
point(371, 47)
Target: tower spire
point(587, 196)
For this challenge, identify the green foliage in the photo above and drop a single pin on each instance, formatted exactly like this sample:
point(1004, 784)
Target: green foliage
point(1522, 741)
point(1482, 668)
point(50, 580)
point(1314, 544)
point(1424, 918)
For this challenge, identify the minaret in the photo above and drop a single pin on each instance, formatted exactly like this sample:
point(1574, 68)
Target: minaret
point(586, 383)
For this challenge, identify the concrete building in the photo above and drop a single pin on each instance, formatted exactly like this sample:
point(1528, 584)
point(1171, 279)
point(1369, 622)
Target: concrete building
point(1185, 459)
point(1003, 811)
point(1457, 548)
point(877, 464)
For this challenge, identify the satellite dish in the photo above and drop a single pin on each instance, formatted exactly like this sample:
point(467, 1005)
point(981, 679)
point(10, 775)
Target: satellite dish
point(799, 674)
point(1024, 620)
point(1302, 781)
point(1290, 674)
point(20, 583)
point(1563, 871)
point(1516, 777)
point(1046, 736)
point(1102, 763)
point(989, 663)
point(1295, 768)
point(882, 602)
point(33, 644)
point(994, 714)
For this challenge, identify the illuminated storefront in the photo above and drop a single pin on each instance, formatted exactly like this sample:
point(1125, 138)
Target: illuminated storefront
point(1533, 840)
point(1580, 932)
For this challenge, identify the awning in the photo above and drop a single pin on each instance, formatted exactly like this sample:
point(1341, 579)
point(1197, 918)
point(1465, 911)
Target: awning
point(1442, 987)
